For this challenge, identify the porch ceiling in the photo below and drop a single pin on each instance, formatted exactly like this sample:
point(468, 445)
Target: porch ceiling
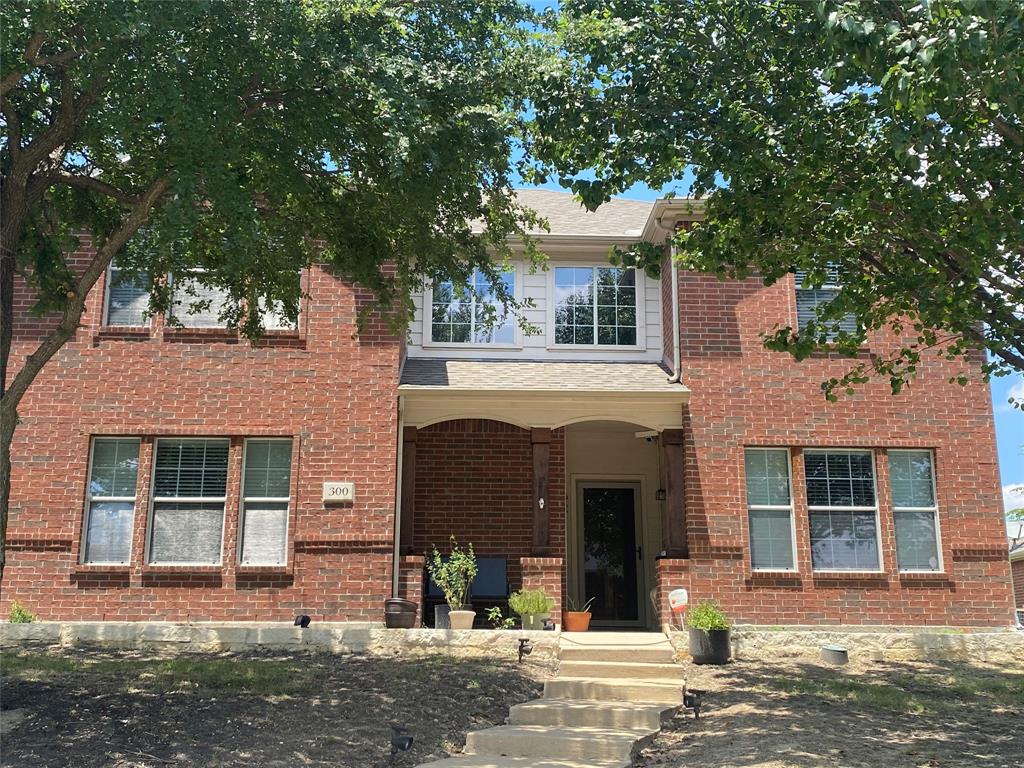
point(540, 393)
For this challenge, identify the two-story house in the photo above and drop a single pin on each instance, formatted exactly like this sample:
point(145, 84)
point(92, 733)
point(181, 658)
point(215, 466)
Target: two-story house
point(635, 439)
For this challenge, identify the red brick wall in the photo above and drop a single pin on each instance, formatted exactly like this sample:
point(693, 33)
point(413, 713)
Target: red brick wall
point(334, 395)
point(1017, 567)
point(474, 479)
point(743, 395)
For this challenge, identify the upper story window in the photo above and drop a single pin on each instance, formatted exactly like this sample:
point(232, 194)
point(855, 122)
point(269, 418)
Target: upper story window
point(195, 304)
point(809, 299)
point(127, 298)
point(843, 510)
point(595, 306)
point(475, 316)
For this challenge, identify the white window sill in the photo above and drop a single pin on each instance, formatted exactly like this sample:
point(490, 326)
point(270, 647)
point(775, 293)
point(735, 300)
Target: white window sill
point(595, 348)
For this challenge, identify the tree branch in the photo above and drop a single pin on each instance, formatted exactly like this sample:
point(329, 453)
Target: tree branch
point(94, 184)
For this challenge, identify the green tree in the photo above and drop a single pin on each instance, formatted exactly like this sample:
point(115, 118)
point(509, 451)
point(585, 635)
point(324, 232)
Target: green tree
point(231, 135)
point(881, 138)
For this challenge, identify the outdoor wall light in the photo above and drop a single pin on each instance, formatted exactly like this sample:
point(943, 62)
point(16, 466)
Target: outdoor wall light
point(540, 503)
point(525, 648)
point(302, 621)
point(660, 494)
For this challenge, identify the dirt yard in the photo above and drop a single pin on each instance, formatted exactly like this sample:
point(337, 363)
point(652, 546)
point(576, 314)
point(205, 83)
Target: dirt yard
point(804, 714)
point(124, 710)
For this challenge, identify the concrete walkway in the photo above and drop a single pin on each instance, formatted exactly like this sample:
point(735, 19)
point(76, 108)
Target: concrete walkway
point(612, 694)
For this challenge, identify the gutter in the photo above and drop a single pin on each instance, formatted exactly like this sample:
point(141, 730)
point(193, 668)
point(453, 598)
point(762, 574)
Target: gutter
point(677, 358)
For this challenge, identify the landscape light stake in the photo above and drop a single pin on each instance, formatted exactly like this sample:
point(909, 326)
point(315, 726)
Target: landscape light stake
point(691, 701)
point(401, 741)
point(302, 621)
point(525, 648)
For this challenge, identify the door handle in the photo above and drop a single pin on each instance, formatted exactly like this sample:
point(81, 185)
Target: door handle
point(639, 553)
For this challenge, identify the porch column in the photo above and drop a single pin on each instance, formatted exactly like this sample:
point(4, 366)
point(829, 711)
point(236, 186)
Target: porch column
point(408, 489)
point(541, 441)
point(674, 522)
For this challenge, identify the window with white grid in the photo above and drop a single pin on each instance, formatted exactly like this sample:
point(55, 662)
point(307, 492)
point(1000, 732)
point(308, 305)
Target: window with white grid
point(474, 316)
point(770, 509)
point(843, 510)
point(189, 488)
point(595, 306)
point(266, 481)
point(110, 504)
point(912, 478)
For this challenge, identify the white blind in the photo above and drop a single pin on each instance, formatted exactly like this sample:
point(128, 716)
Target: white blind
point(187, 533)
point(809, 299)
point(110, 507)
point(127, 298)
point(108, 538)
point(195, 304)
point(266, 482)
point(265, 533)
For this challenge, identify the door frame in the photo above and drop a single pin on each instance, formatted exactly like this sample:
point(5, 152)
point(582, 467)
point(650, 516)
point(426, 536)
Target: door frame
point(576, 576)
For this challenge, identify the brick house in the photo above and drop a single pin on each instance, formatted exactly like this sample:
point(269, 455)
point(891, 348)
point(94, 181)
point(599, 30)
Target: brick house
point(640, 440)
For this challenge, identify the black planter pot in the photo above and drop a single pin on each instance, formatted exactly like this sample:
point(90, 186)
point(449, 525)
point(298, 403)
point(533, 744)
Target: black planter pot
point(710, 646)
point(399, 614)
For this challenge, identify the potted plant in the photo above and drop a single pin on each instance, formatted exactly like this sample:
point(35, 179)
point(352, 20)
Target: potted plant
point(533, 606)
point(454, 575)
point(709, 633)
point(577, 617)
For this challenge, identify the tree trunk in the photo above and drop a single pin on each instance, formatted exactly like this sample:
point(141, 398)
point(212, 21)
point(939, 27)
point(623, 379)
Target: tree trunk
point(8, 421)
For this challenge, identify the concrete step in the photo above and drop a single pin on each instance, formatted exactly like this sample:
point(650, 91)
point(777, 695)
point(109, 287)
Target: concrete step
point(661, 653)
point(540, 741)
point(498, 761)
point(668, 673)
point(602, 714)
point(638, 691)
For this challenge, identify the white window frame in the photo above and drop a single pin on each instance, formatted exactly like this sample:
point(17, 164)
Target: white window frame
point(154, 500)
point(265, 499)
point(90, 499)
point(772, 508)
point(428, 318)
point(819, 508)
point(106, 302)
point(640, 288)
point(934, 509)
point(179, 323)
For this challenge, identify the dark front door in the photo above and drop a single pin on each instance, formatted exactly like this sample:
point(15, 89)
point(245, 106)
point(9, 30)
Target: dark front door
point(611, 552)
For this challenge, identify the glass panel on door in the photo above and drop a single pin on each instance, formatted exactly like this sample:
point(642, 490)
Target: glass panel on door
point(611, 555)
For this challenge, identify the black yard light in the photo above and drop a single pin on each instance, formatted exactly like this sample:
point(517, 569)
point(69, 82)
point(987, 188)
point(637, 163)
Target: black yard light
point(691, 701)
point(401, 739)
point(302, 621)
point(525, 648)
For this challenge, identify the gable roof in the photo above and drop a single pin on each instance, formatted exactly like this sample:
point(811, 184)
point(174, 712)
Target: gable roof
point(565, 216)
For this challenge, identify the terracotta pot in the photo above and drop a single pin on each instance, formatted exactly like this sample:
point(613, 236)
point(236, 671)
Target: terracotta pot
point(575, 621)
point(461, 619)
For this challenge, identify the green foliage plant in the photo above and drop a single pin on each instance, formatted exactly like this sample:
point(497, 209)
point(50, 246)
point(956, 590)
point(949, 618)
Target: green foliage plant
point(706, 615)
point(20, 614)
point(453, 573)
point(531, 602)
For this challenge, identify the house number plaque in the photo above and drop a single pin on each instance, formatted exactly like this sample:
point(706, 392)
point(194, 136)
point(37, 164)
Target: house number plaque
point(339, 493)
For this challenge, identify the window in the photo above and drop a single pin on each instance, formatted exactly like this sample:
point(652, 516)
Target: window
point(462, 317)
point(809, 299)
point(195, 304)
point(265, 484)
point(127, 298)
point(913, 499)
point(595, 306)
point(189, 486)
point(770, 509)
point(843, 510)
point(110, 504)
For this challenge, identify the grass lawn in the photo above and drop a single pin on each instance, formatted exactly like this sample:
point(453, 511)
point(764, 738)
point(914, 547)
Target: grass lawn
point(804, 714)
point(127, 710)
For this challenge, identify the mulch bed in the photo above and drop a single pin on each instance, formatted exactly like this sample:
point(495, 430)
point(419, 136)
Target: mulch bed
point(126, 710)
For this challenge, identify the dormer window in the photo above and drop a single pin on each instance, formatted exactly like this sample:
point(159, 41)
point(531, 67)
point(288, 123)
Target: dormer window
point(595, 306)
point(474, 316)
point(809, 299)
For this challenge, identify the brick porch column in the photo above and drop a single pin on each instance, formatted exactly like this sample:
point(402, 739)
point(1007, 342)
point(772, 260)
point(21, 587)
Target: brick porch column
point(545, 573)
point(410, 580)
point(670, 573)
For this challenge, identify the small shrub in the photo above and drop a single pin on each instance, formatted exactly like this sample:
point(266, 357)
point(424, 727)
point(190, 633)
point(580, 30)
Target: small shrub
point(706, 615)
point(20, 614)
point(575, 606)
point(530, 602)
point(498, 619)
point(453, 574)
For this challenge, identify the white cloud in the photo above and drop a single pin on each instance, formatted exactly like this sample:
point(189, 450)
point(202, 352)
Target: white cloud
point(1017, 390)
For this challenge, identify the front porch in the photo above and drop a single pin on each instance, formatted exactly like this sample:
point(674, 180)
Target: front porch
point(566, 477)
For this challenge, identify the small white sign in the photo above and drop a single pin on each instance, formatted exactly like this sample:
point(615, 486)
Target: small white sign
point(339, 493)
